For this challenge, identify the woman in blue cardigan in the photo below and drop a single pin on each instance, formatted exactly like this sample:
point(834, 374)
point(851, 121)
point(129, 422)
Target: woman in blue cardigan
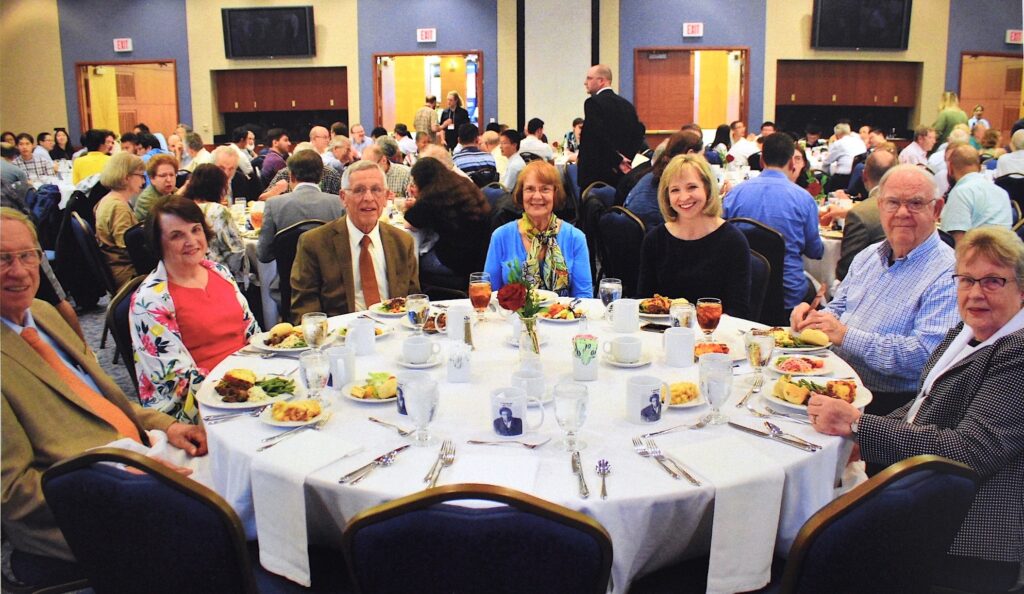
point(551, 250)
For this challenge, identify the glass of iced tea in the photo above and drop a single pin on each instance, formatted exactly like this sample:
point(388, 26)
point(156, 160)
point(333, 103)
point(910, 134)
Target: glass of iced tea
point(709, 312)
point(256, 218)
point(480, 292)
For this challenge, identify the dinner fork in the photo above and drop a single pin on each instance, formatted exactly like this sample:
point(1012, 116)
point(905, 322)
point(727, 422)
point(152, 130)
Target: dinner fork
point(754, 389)
point(447, 459)
point(640, 448)
point(529, 446)
point(402, 432)
point(437, 463)
point(659, 456)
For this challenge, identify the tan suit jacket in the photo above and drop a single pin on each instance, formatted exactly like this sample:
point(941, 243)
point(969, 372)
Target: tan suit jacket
point(44, 423)
point(322, 276)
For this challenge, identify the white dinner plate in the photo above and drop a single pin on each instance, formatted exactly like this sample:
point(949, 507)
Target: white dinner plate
point(346, 391)
point(258, 341)
point(545, 297)
point(863, 398)
point(207, 396)
point(824, 370)
point(434, 360)
point(385, 329)
point(645, 359)
point(560, 321)
point(406, 323)
point(660, 318)
point(267, 417)
point(737, 351)
point(378, 310)
point(699, 400)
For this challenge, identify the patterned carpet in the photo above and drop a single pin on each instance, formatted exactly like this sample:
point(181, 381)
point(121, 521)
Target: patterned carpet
point(92, 325)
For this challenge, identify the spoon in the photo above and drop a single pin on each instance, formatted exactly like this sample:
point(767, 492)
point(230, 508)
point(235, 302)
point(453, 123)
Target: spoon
point(387, 461)
point(776, 431)
point(604, 468)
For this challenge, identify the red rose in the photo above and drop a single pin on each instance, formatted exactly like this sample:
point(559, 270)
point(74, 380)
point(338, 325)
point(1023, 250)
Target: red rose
point(512, 297)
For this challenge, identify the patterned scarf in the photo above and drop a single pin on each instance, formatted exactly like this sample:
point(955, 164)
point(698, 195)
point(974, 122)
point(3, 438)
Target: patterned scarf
point(553, 274)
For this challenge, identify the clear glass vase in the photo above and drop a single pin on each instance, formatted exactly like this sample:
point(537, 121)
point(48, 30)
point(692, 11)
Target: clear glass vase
point(529, 344)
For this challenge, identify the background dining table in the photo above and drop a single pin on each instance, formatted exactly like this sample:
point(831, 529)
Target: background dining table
point(755, 493)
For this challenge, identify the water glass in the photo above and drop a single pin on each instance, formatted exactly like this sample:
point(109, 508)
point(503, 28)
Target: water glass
point(609, 290)
point(571, 402)
point(417, 307)
point(421, 399)
point(715, 383)
point(314, 329)
point(759, 352)
point(316, 369)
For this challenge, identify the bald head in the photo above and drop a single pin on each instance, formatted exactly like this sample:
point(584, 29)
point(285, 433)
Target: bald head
point(319, 136)
point(372, 153)
point(963, 159)
point(489, 140)
point(598, 77)
point(877, 164)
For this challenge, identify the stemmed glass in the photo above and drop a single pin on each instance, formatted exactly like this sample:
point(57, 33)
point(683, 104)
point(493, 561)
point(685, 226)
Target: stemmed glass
point(571, 402)
point(609, 290)
point(316, 369)
point(417, 307)
point(715, 371)
point(314, 329)
point(480, 292)
point(709, 312)
point(421, 399)
point(759, 352)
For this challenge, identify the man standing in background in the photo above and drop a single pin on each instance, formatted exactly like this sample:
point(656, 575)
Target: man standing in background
point(613, 133)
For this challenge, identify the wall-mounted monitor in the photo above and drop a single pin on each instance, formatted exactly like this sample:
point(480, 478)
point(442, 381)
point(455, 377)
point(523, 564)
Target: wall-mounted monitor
point(861, 24)
point(276, 32)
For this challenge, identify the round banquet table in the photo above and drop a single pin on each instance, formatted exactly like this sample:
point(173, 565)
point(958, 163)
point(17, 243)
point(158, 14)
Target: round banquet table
point(755, 494)
point(824, 270)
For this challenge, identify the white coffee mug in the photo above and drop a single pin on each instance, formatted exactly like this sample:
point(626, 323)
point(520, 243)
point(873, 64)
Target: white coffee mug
point(625, 315)
point(362, 336)
point(508, 412)
point(643, 398)
point(404, 379)
point(419, 349)
point(458, 313)
point(678, 344)
point(343, 365)
point(624, 349)
point(530, 380)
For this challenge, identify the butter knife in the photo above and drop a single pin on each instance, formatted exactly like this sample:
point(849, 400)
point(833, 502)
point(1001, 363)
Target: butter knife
point(355, 474)
point(577, 467)
point(803, 446)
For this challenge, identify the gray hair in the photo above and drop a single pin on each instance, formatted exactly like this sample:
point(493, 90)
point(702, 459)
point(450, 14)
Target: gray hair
point(920, 172)
point(305, 145)
point(1017, 140)
point(842, 129)
point(998, 245)
point(340, 141)
point(356, 168)
point(223, 151)
point(388, 146)
point(194, 141)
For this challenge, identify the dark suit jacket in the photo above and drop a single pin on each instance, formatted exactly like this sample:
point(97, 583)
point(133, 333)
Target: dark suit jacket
point(515, 429)
point(611, 127)
point(974, 414)
point(322, 272)
point(304, 204)
point(863, 228)
point(44, 423)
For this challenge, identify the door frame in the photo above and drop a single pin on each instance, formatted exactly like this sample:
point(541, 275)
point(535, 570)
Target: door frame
point(377, 99)
point(744, 72)
point(80, 83)
point(964, 54)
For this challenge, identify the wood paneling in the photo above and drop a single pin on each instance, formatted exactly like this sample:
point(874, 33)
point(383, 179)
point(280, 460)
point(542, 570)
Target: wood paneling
point(664, 89)
point(282, 89)
point(993, 81)
point(847, 82)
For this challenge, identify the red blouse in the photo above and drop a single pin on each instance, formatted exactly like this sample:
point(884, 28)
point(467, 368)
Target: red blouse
point(210, 320)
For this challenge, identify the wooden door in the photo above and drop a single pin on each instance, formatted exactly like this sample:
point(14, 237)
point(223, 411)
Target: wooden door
point(993, 81)
point(664, 89)
point(119, 95)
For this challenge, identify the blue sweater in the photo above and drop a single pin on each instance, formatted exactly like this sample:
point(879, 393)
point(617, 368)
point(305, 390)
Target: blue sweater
point(507, 245)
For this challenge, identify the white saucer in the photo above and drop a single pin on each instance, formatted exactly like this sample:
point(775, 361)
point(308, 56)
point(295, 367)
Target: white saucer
point(434, 360)
point(645, 359)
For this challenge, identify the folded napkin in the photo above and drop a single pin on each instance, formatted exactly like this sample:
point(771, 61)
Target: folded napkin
point(748, 499)
point(278, 492)
point(514, 471)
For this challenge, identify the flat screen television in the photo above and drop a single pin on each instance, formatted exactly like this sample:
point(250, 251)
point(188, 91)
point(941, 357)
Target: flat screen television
point(285, 31)
point(861, 24)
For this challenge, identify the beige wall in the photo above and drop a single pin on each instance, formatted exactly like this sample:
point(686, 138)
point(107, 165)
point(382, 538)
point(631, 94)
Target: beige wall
point(507, 69)
point(336, 45)
point(788, 37)
point(23, 108)
point(609, 38)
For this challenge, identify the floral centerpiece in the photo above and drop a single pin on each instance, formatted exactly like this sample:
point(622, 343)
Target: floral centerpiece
point(519, 295)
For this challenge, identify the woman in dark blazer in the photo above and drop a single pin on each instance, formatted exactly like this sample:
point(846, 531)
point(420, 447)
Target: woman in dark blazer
point(451, 118)
point(970, 408)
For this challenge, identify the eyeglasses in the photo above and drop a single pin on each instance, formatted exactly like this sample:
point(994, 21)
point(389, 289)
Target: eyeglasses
point(376, 191)
point(27, 258)
point(989, 284)
point(545, 190)
point(915, 205)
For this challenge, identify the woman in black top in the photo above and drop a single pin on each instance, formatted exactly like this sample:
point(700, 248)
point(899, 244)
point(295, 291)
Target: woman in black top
point(452, 118)
point(62, 147)
point(451, 206)
point(695, 253)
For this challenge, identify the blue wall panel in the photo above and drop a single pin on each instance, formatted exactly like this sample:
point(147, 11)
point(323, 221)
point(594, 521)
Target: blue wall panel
point(979, 26)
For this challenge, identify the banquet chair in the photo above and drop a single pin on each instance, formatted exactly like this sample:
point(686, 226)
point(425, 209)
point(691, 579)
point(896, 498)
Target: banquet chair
point(760, 272)
point(525, 545)
point(143, 259)
point(117, 320)
point(70, 265)
point(154, 532)
point(181, 177)
point(96, 264)
point(769, 243)
point(601, 191)
point(437, 293)
point(886, 535)
point(570, 211)
point(283, 247)
point(484, 176)
point(493, 192)
point(1015, 212)
point(591, 210)
point(620, 238)
point(1013, 183)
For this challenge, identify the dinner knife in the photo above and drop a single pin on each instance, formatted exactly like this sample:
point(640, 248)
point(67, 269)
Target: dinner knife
point(785, 440)
point(355, 473)
point(577, 467)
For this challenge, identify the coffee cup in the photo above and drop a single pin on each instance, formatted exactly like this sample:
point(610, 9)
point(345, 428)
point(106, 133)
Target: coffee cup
point(458, 314)
point(404, 379)
point(508, 412)
point(343, 365)
point(643, 398)
point(624, 349)
point(678, 344)
point(419, 349)
point(530, 380)
point(362, 336)
point(625, 315)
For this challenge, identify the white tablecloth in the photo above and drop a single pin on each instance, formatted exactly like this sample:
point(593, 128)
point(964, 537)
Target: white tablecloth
point(824, 270)
point(653, 519)
point(266, 273)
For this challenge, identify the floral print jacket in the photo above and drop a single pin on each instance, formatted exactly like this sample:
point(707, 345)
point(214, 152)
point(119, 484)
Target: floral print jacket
point(168, 376)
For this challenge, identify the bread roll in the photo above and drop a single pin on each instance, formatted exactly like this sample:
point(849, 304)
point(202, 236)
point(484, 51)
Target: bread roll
point(814, 336)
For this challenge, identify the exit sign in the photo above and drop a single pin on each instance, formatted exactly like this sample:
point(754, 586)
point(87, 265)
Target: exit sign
point(693, 29)
point(426, 35)
point(123, 44)
point(1015, 36)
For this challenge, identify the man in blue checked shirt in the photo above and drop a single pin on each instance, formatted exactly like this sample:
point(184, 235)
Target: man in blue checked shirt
point(898, 299)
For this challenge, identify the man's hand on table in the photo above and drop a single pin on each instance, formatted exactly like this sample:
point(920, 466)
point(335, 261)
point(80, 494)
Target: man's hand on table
point(191, 438)
point(821, 320)
point(832, 416)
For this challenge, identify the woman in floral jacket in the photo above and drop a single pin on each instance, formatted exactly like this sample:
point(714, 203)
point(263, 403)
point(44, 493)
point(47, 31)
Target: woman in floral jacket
point(183, 318)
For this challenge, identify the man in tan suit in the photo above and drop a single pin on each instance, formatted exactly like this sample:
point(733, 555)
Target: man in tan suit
point(57, 403)
point(354, 262)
